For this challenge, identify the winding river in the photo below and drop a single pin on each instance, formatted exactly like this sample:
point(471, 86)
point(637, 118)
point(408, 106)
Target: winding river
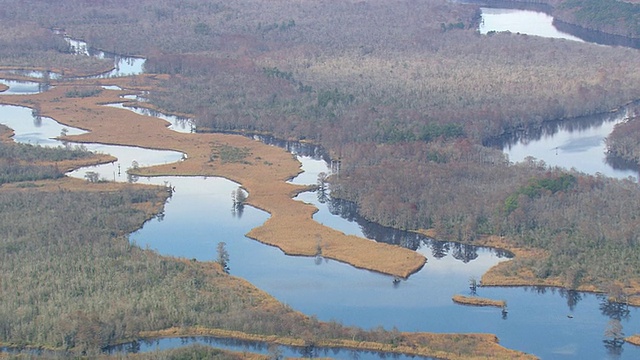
point(550, 323)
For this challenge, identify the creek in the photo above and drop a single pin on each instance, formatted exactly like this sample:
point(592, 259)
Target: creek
point(548, 322)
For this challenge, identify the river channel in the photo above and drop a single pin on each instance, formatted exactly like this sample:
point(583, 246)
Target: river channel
point(547, 322)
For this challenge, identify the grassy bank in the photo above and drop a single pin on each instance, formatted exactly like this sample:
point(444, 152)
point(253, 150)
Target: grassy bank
point(477, 301)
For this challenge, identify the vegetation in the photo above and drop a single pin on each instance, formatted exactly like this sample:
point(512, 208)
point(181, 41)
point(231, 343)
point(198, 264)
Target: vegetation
point(107, 290)
point(17, 160)
point(229, 154)
point(633, 339)
point(77, 92)
point(609, 16)
point(98, 289)
point(478, 301)
point(23, 45)
point(624, 140)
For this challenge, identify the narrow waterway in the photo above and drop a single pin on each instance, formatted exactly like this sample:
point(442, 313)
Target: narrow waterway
point(522, 22)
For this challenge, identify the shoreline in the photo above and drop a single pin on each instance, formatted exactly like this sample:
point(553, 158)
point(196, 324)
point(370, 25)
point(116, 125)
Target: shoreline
point(478, 301)
point(290, 227)
point(494, 277)
point(416, 344)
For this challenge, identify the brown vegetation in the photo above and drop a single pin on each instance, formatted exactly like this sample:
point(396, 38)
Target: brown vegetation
point(624, 140)
point(478, 301)
point(633, 339)
point(25, 46)
point(99, 289)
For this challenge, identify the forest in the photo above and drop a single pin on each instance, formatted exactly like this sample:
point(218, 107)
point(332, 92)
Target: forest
point(406, 95)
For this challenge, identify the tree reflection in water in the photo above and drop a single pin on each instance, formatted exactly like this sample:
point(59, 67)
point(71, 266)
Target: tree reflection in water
point(410, 240)
point(573, 297)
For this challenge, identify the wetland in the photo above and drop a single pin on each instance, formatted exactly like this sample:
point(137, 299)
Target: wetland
point(410, 296)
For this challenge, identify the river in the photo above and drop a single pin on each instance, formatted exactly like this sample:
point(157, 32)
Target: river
point(547, 322)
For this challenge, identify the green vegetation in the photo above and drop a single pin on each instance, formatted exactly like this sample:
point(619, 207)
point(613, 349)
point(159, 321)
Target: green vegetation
point(31, 153)
point(229, 154)
point(537, 187)
point(403, 102)
point(72, 281)
point(17, 161)
point(83, 92)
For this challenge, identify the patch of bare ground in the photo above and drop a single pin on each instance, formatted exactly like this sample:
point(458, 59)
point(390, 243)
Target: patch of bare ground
point(263, 173)
point(477, 301)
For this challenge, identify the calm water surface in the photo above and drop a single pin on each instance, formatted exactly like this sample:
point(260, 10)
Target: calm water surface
point(521, 21)
point(123, 65)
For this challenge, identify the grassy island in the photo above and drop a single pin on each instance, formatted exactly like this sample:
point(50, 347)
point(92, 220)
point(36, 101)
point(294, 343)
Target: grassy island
point(633, 339)
point(478, 301)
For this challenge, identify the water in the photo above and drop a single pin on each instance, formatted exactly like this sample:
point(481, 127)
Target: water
point(200, 215)
point(521, 21)
point(255, 347)
point(572, 144)
point(18, 87)
point(123, 65)
point(176, 123)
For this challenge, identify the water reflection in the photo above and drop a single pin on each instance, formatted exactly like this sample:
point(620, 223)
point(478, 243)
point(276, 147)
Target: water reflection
point(573, 298)
point(256, 347)
point(439, 249)
point(177, 123)
point(576, 143)
point(123, 65)
point(198, 217)
point(521, 21)
point(19, 87)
